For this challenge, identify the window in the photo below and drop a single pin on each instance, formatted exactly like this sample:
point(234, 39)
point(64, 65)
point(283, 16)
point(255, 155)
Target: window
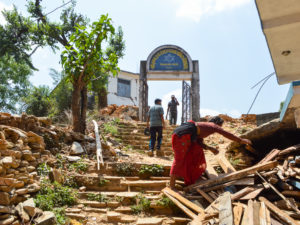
point(124, 88)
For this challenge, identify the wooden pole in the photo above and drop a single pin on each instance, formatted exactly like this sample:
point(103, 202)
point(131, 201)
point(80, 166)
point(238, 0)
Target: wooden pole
point(233, 176)
point(98, 146)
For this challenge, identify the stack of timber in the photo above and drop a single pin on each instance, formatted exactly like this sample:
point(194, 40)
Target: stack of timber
point(264, 194)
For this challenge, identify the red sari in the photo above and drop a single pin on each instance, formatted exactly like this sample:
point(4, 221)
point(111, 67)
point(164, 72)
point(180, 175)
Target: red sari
point(189, 159)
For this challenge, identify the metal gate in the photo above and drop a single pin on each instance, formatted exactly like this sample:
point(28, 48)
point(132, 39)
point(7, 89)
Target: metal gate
point(186, 102)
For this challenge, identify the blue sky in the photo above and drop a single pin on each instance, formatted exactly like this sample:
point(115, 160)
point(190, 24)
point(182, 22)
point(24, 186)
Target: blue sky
point(225, 36)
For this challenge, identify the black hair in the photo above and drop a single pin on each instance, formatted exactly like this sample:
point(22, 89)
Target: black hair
point(157, 101)
point(217, 120)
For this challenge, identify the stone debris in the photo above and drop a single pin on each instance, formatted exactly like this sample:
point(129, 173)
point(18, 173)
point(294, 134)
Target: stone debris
point(47, 218)
point(76, 149)
point(113, 194)
point(125, 112)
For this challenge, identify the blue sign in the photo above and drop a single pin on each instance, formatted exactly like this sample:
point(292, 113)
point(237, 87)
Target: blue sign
point(169, 60)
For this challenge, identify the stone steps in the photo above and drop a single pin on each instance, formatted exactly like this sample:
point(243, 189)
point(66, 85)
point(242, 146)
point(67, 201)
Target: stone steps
point(111, 169)
point(120, 184)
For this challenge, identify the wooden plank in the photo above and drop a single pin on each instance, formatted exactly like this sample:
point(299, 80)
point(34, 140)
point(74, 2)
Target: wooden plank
point(210, 171)
point(241, 193)
point(225, 210)
point(245, 218)
point(272, 154)
point(279, 213)
point(264, 215)
point(282, 204)
point(241, 182)
point(225, 164)
point(252, 194)
point(237, 214)
point(250, 213)
point(206, 196)
point(98, 146)
point(291, 193)
point(181, 206)
point(289, 150)
point(256, 209)
point(233, 176)
point(213, 207)
point(183, 200)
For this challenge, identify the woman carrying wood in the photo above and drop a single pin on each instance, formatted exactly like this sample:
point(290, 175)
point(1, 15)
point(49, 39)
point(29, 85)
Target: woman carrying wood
point(187, 143)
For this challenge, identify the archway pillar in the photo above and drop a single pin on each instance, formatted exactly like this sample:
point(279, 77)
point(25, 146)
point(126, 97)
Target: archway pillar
point(143, 92)
point(195, 86)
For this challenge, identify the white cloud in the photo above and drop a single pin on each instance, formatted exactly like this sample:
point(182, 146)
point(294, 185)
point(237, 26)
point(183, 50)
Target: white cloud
point(208, 112)
point(2, 7)
point(195, 9)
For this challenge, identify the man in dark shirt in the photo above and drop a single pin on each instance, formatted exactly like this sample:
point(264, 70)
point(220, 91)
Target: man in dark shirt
point(172, 107)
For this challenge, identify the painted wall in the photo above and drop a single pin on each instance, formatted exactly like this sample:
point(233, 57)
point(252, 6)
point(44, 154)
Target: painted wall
point(113, 98)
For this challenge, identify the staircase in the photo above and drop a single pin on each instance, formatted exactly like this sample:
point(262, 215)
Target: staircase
point(106, 197)
point(133, 136)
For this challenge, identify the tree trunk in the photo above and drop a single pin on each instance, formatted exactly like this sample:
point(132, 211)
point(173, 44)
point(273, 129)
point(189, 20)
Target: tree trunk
point(83, 109)
point(102, 98)
point(79, 107)
point(76, 110)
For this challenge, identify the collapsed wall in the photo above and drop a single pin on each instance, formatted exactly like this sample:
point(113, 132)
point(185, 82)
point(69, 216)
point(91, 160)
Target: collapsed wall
point(269, 136)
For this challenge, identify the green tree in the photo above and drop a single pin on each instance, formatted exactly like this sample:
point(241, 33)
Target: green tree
point(99, 85)
point(37, 101)
point(83, 60)
point(14, 82)
point(21, 36)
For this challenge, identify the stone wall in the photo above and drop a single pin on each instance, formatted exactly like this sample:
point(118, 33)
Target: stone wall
point(266, 117)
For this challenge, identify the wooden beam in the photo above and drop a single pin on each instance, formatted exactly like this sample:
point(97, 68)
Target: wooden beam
point(225, 210)
point(291, 193)
point(242, 182)
point(289, 150)
point(206, 196)
point(279, 213)
point(181, 206)
point(252, 194)
point(210, 171)
point(241, 193)
point(233, 176)
point(183, 200)
point(272, 154)
point(225, 164)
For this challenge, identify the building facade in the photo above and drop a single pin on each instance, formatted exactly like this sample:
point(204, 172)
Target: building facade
point(123, 89)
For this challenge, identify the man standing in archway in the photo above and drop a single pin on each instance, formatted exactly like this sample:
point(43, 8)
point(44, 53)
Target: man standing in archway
point(172, 107)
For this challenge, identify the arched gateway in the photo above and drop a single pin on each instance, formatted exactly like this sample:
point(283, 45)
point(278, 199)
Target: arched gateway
point(170, 62)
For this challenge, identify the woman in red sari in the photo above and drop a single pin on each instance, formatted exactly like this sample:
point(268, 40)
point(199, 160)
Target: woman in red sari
point(187, 143)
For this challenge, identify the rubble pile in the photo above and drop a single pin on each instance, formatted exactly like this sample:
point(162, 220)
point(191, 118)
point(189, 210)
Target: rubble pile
point(125, 112)
point(267, 192)
point(21, 151)
point(26, 142)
